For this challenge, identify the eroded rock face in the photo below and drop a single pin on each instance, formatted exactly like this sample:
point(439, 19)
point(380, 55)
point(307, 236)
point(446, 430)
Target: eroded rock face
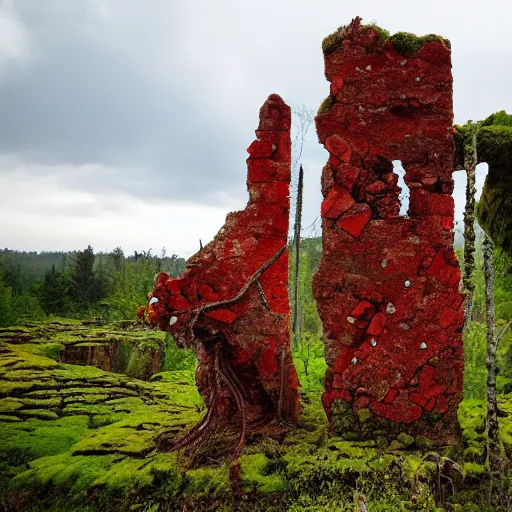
point(231, 304)
point(388, 286)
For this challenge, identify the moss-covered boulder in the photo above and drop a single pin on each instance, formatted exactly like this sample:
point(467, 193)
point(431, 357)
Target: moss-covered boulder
point(494, 146)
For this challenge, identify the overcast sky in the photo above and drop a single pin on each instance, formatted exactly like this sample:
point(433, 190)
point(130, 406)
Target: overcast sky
point(126, 122)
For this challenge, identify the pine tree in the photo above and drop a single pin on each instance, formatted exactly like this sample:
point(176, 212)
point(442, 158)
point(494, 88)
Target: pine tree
point(82, 279)
point(7, 310)
point(54, 293)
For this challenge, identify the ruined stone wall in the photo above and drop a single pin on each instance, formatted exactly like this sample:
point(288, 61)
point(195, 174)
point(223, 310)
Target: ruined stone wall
point(231, 304)
point(387, 287)
point(494, 146)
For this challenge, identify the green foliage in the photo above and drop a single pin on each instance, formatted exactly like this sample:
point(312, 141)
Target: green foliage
point(7, 313)
point(82, 278)
point(78, 284)
point(177, 358)
point(309, 361)
point(54, 293)
point(475, 349)
point(500, 118)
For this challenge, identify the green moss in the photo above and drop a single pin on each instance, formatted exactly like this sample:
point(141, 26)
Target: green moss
point(473, 454)
point(408, 44)
point(395, 445)
point(353, 450)
point(10, 405)
point(129, 475)
point(343, 418)
point(49, 350)
point(34, 438)
point(364, 415)
point(333, 41)
point(4, 418)
point(472, 469)
point(415, 466)
point(423, 443)
point(384, 34)
point(255, 476)
point(213, 482)
point(405, 439)
point(74, 475)
point(326, 105)
point(35, 413)
point(404, 43)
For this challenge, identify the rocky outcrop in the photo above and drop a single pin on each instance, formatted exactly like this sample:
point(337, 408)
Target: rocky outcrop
point(136, 352)
point(387, 287)
point(231, 304)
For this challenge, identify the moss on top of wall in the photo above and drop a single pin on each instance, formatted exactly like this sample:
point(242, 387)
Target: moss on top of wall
point(405, 43)
point(326, 105)
point(408, 44)
point(333, 41)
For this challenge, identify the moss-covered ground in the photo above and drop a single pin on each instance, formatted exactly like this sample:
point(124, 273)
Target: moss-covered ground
point(123, 347)
point(80, 438)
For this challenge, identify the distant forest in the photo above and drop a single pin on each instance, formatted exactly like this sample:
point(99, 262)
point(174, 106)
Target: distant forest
point(78, 284)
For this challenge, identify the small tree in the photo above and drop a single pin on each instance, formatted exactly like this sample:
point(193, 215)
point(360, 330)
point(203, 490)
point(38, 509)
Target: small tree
point(304, 117)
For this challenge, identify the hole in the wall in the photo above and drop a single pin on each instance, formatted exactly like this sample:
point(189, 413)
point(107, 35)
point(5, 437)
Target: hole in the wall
point(404, 196)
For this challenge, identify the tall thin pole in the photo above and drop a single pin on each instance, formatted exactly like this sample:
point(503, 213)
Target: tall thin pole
point(296, 234)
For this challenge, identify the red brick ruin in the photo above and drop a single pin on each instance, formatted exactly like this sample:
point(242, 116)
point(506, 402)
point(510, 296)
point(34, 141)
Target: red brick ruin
point(231, 305)
point(387, 288)
point(388, 285)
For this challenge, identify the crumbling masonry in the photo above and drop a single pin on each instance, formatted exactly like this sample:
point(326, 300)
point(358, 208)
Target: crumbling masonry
point(388, 285)
point(231, 305)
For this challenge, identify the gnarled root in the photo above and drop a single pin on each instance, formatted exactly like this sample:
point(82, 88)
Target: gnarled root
point(222, 377)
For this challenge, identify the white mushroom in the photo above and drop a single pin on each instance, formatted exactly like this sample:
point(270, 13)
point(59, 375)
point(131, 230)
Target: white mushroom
point(173, 320)
point(153, 300)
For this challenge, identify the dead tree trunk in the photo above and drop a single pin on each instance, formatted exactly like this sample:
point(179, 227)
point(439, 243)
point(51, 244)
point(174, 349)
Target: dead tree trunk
point(493, 445)
point(470, 162)
point(296, 239)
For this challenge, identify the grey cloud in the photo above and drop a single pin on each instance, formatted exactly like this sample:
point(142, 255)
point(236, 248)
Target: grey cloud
point(83, 103)
point(158, 100)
